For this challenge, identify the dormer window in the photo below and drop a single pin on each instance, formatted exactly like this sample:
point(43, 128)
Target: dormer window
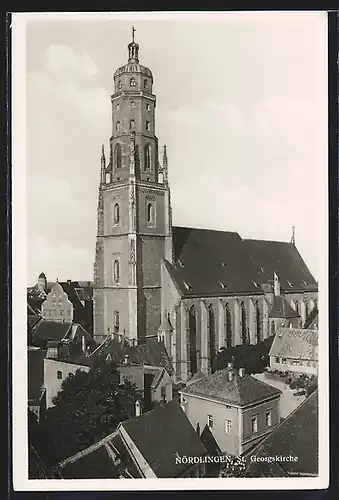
point(180, 263)
point(255, 284)
point(187, 285)
point(290, 284)
point(304, 283)
point(262, 269)
point(223, 285)
point(223, 264)
point(132, 82)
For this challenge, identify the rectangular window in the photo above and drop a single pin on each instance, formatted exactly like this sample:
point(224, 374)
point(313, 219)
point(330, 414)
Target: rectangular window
point(117, 126)
point(59, 374)
point(308, 363)
point(228, 426)
point(277, 360)
point(132, 124)
point(148, 126)
point(268, 418)
point(132, 104)
point(255, 423)
point(148, 107)
point(210, 421)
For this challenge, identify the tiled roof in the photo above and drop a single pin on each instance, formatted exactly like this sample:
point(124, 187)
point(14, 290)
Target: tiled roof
point(35, 373)
point(36, 468)
point(32, 320)
point(297, 435)
point(282, 309)
point(72, 295)
point(50, 330)
point(162, 433)
point(157, 373)
point(217, 263)
point(239, 391)
point(106, 459)
point(35, 303)
point(197, 376)
point(296, 343)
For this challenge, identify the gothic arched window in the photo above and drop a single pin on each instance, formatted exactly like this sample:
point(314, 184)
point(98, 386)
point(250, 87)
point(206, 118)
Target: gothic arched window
point(243, 315)
point(118, 156)
point(228, 326)
point(258, 321)
point(116, 271)
point(150, 212)
point(147, 157)
point(116, 213)
point(132, 82)
point(211, 334)
point(192, 340)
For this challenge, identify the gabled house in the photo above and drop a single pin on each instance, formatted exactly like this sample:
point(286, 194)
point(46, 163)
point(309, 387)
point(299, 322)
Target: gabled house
point(233, 408)
point(147, 446)
point(295, 441)
point(295, 350)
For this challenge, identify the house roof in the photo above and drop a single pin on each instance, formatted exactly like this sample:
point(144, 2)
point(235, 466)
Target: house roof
point(35, 373)
point(32, 320)
point(50, 330)
point(240, 391)
point(36, 468)
point(291, 437)
point(296, 343)
point(197, 376)
point(106, 459)
point(217, 263)
point(69, 289)
point(162, 433)
point(282, 309)
point(157, 373)
point(35, 303)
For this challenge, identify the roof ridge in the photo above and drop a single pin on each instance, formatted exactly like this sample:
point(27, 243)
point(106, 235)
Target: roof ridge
point(88, 450)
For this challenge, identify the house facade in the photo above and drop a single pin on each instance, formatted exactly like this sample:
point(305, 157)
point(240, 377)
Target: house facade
point(295, 350)
point(233, 408)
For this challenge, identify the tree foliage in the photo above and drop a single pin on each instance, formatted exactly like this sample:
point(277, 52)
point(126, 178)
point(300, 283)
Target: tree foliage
point(89, 407)
point(254, 358)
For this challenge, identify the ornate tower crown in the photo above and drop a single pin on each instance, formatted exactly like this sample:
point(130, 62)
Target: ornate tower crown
point(133, 49)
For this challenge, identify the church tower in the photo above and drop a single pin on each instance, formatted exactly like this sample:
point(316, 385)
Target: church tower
point(134, 213)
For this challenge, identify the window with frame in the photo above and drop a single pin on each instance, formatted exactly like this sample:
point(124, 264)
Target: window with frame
point(210, 421)
point(132, 104)
point(59, 374)
point(148, 107)
point(268, 418)
point(148, 126)
point(254, 423)
point(116, 271)
point(228, 426)
point(150, 213)
point(117, 126)
point(145, 84)
point(147, 157)
point(132, 82)
point(116, 321)
point(277, 360)
point(118, 156)
point(116, 214)
point(284, 361)
point(118, 107)
point(132, 124)
point(119, 84)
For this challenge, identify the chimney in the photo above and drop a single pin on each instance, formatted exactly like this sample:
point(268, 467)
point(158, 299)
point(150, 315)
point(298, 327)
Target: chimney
point(69, 282)
point(126, 359)
point(230, 365)
point(242, 372)
point(230, 376)
point(83, 343)
point(137, 409)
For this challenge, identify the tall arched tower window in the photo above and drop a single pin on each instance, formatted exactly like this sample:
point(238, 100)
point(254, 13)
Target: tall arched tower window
point(211, 335)
point(147, 157)
point(228, 325)
point(116, 213)
point(192, 340)
point(258, 321)
point(116, 271)
point(118, 156)
point(150, 213)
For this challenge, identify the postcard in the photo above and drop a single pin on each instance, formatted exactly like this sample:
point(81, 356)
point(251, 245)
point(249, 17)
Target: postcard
point(170, 251)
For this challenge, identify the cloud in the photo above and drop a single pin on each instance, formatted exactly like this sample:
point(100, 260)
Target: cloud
point(61, 61)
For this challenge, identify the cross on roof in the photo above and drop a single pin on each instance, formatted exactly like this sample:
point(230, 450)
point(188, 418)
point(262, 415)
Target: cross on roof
point(133, 31)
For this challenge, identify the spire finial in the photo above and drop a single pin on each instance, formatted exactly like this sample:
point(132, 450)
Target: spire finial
point(133, 31)
point(133, 48)
point(293, 236)
point(103, 151)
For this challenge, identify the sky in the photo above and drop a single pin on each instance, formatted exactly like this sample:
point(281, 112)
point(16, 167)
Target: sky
point(241, 106)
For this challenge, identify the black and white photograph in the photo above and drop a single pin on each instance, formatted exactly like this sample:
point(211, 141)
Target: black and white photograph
point(170, 250)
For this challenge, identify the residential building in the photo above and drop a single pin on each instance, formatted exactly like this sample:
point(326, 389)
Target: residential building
point(291, 443)
point(145, 446)
point(295, 350)
point(197, 290)
point(233, 408)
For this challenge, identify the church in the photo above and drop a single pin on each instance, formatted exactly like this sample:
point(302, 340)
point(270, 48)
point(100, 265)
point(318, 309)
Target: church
point(196, 290)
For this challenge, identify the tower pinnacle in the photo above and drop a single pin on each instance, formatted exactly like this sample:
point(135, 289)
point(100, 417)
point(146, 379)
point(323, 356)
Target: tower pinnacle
point(133, 49)
point(293, 236)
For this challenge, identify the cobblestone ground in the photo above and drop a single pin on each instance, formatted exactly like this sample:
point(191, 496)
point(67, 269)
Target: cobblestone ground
point(288, 402)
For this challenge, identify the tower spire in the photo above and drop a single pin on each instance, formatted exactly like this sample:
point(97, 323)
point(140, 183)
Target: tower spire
point(133, 49)
point(293, 236)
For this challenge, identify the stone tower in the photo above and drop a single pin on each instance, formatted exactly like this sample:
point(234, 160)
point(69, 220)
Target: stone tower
point(134, 213)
